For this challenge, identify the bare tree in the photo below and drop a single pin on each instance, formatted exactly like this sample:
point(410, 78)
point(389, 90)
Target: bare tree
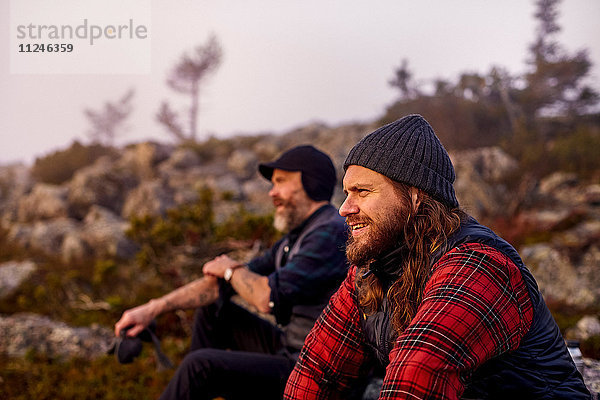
point(107, 122)
point(556, 83)
point(187, 77)
point(402, 80)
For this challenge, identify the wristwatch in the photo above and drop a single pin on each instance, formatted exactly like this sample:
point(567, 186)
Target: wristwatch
point(229, 272)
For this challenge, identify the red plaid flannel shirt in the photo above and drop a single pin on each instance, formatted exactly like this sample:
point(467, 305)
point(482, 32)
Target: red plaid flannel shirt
point(475, 306)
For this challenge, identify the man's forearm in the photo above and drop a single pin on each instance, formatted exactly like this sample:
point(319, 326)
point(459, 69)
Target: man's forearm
point(195, 294)
point(252, 287)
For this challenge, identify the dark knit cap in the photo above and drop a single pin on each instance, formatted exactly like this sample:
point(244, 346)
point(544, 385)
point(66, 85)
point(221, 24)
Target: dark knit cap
point(318, 172)
point(408, 151)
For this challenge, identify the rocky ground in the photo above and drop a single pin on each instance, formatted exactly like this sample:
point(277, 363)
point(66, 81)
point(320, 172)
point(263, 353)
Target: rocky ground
point(87, 216)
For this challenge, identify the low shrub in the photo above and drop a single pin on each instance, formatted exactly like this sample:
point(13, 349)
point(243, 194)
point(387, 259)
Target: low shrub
point(60, 166)
point(186, 225)
point(578, 153)
point(39, 377)
point(243, 225)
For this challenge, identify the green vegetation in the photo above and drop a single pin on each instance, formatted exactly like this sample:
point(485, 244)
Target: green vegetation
point(578, 153)
point(59, 167)
point(186, 225)
point(39, 377)
point(567, 317)
point(98, 291)
point(547, 119)
point(212, 148)
point(172, 248)
point(243, 225)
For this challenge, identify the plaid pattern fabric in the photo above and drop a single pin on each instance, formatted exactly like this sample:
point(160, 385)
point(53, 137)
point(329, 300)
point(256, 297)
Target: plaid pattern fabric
point(475, 306)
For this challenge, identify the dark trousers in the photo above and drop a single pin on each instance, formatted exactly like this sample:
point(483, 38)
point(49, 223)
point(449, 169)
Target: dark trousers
point(234, 354)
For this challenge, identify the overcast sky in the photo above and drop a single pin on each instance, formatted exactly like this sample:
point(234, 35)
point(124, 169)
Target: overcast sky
point(286, 63)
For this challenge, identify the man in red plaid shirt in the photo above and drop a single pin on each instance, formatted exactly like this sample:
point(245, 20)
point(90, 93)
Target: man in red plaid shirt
point(439, 302)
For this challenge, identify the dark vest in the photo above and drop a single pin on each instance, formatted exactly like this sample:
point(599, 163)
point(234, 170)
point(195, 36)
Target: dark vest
point(303, 316)
point(541, 368)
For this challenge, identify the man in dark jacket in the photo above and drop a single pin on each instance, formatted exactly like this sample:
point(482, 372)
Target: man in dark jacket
point(438, 301)
point(234, 353)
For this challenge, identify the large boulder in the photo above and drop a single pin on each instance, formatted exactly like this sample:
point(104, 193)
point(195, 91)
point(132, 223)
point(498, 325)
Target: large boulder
point(46, 236)
point(479, 175)
point(104, 183)
point(227, 185)
point(562, 279)
point(545, 219)
point(149, 198)
point(181, 158)
point(12, 274)
point(562, 189)
point(15, 181)
point(557, 181)
point(586, 327)
point(142, 159)
point(243, 163)
point(44, 202)
point(492, 164)
point(74, 248)
point(100, 234)
point(104, 232)
point(21, 333)
point(581, 236)
point(256, 191)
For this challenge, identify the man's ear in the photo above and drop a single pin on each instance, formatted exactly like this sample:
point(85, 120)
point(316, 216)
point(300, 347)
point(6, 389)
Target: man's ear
point(415, 196)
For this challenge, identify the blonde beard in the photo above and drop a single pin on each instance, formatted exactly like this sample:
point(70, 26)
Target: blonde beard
point(387, 233)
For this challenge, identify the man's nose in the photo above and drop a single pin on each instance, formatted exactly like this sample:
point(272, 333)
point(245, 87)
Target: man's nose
point(348, 207)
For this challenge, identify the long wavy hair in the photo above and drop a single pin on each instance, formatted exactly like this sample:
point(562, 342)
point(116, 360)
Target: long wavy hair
point(426, 229)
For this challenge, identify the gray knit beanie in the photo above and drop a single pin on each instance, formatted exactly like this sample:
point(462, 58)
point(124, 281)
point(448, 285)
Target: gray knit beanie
point(407, 150)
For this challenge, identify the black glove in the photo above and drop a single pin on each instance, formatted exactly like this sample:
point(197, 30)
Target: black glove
point(128, 348)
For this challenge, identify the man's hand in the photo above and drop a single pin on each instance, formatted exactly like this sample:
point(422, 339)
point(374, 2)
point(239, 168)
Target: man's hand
point(219, 265)
point(195, 294)
point(252, 287)
point(137, 318)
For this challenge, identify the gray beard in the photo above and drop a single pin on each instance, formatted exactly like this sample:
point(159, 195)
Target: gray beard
point(289, 218)
point(282, 222)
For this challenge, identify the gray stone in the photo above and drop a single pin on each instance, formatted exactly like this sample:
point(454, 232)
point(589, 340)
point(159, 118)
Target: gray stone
point(44, 202)
point(558, 278)
point(46, 236)
point(15, 182)
point(225, 185)
point(181, 158)
point(545, 219)
point(586, 328)
point(149, 198)
point(20, 333)
point(142, 159)
point(104, 232)
point(556, 181)
point(243, 163)
point(477, 175)
point(591, 377)
point(12, 274)
point(492, 164)
point(256, 191)
point(74, 248)
point(580, 236)
point(103, 183)
point(591, 194)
